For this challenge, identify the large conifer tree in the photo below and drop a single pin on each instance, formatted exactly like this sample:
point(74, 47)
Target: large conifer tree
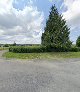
point(78, 42)
point(56, 31)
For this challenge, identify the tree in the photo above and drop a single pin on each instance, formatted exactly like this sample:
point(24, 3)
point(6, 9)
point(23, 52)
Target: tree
point(14, 44)
point(6, 45)
point(56, 31)
point(78, 42)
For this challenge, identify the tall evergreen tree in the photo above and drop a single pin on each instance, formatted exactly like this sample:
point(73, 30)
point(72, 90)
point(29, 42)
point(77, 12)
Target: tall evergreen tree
point(56, 31)
point(78, 42)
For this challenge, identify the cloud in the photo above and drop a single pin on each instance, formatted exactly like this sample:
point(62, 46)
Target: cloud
point(22, 26)
point(72, 15)
point(50, 0)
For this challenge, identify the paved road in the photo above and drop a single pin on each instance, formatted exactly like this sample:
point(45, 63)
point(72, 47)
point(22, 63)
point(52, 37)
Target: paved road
point(39, 75)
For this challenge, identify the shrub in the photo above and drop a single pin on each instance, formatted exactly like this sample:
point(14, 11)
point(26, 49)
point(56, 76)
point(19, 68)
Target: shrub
point(6, 45)
point(36, 49)
point(75, 49)
point(29, 49)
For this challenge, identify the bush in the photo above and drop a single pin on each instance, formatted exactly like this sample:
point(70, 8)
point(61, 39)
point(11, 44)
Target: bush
point(29, 49)
point(6, 45)
point(36, 49)
point(75, 49)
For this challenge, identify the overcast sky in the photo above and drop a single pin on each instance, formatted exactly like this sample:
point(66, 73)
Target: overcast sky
point(23, 21)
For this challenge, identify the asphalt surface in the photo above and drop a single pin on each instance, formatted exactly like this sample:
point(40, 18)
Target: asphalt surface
point(39, 75)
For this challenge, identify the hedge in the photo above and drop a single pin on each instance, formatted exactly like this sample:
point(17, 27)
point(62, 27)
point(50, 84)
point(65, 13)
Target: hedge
point(38, 49)
point(35, 49)
point(30, 49)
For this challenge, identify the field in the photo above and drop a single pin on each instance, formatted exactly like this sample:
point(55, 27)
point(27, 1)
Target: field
point(4, 48)
point(48, 55)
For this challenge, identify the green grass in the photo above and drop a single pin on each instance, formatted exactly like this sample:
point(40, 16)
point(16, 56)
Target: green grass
point(48, 55)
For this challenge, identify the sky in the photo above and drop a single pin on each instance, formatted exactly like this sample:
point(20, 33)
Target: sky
point(23, 21)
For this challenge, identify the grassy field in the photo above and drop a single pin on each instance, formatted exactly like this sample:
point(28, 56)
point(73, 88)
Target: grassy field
point(49, 55)
point(4, 48)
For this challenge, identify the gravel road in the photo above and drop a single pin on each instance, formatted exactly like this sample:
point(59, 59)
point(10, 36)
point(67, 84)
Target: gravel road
point(39, 75)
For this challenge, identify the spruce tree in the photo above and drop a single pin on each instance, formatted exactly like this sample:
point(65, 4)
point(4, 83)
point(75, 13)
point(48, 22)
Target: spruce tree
point(78, 42)
point(56, 32)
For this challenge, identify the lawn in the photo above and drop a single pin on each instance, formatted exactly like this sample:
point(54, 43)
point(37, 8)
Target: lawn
point(48, 55)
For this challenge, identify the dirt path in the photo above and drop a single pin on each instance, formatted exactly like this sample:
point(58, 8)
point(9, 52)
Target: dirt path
point(39, 76)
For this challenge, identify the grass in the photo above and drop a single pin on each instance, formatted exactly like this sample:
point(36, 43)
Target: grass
point(48, 55)
point(4, 48)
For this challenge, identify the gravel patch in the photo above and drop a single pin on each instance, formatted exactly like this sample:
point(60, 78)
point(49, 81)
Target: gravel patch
point(41, 76)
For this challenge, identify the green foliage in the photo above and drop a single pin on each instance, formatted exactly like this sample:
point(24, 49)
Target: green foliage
point(75, 49)
point(78, 42)
point(6, 45)
point(14, 44)
point(27, 49)
point(56, 31)
point(34, 49)
point(39, 49)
